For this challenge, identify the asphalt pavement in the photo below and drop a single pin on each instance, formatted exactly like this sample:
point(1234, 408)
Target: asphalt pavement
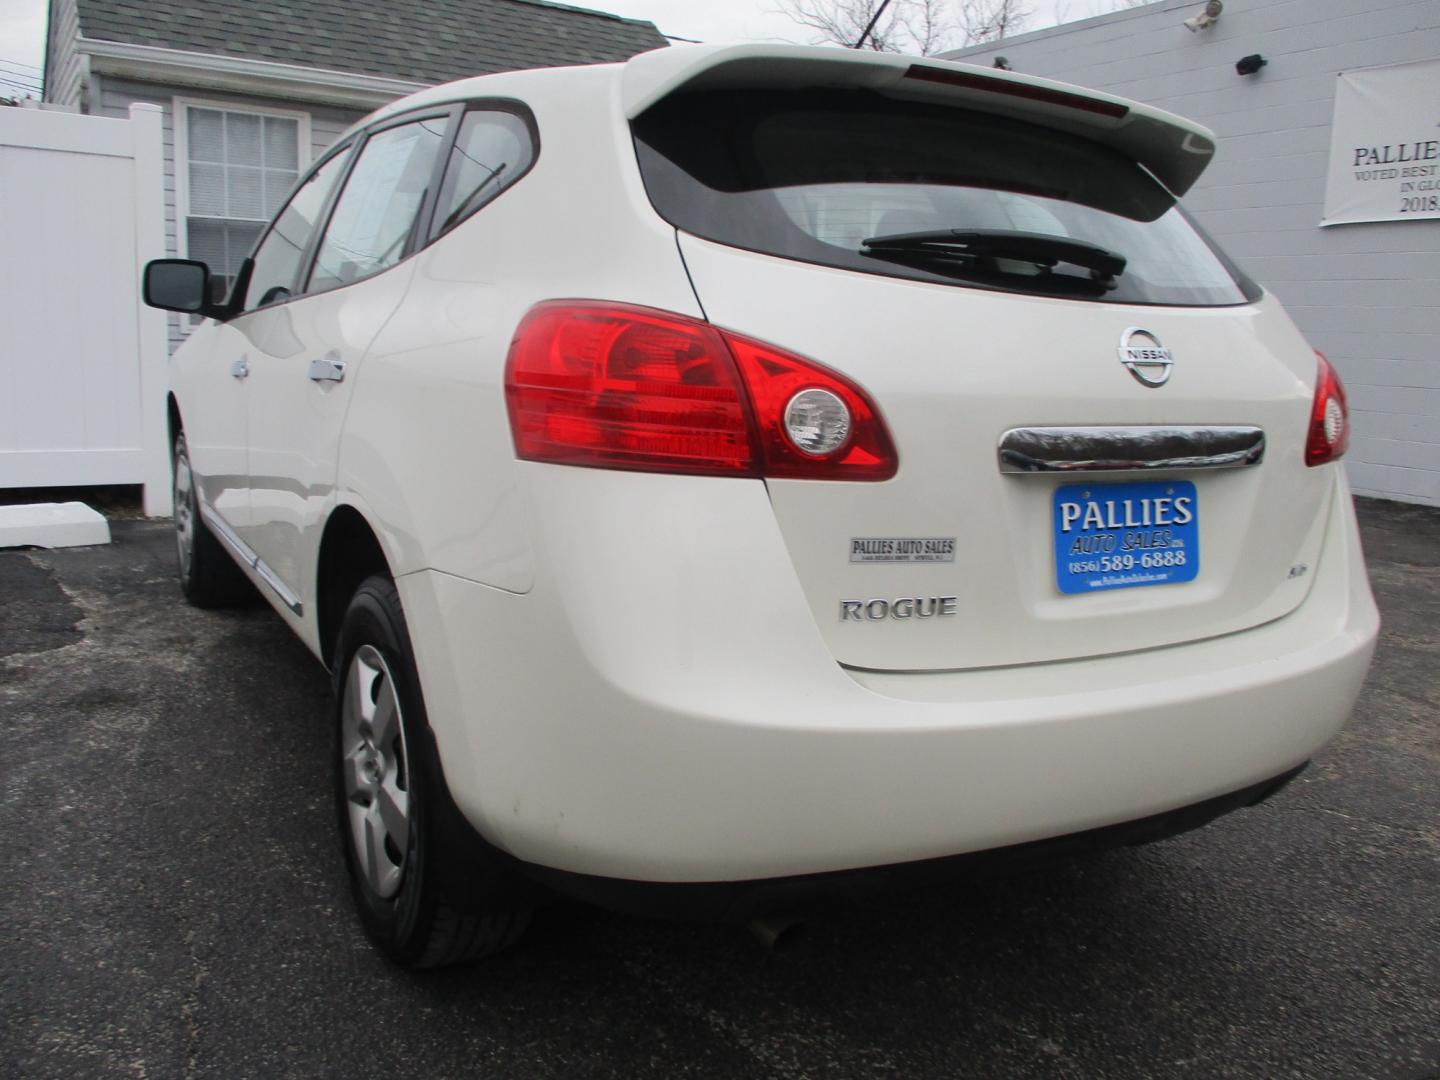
point(174, 901)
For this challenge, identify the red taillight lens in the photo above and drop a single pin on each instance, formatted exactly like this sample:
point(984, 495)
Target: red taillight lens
point(1329, 435)
point(614, 386)
point(625, 388)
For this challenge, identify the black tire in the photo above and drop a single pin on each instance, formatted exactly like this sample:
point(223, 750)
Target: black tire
point(209, 577)
point(399, 889)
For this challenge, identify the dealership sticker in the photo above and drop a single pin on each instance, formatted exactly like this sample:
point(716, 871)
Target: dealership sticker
point(898, 549)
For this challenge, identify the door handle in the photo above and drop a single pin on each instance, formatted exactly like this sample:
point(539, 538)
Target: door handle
point(328, 370)
point(240, 368)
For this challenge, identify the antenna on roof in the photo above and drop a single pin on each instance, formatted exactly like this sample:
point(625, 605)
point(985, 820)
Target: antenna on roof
point(874, 19)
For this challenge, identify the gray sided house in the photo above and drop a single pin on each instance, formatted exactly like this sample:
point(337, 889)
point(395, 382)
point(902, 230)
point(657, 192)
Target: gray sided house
point(254, 91)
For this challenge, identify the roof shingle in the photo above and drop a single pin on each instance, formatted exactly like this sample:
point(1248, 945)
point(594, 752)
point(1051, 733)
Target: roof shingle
point(428, 41)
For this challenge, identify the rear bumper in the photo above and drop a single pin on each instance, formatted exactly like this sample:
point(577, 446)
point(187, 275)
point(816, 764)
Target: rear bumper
point(601, 726)
point(739, 901)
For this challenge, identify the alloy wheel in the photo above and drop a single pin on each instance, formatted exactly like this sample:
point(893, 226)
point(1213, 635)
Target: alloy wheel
point(375, 766)
point(184, 512)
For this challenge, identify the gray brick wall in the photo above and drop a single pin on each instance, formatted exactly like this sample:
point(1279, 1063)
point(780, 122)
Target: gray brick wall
point(1367, 295)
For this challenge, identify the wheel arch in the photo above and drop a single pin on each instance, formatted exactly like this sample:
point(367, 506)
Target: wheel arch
point(473, 873)
point(172, 415)
point(350, 551)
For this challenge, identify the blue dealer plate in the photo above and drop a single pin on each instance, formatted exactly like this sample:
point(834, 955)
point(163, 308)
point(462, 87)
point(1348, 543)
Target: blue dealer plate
point(1118, 536)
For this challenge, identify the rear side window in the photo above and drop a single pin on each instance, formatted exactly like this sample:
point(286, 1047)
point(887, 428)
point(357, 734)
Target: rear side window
point(492, 150)
point(854, 180)
point(370, 228)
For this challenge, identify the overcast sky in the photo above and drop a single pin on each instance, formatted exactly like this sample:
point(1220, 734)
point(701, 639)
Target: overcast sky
point(22, 26)
point(761, 20)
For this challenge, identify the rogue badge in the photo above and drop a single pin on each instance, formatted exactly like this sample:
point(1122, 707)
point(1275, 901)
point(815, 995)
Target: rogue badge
point(905, 607)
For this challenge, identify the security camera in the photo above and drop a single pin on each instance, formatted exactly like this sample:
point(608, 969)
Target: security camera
point(1206, 18)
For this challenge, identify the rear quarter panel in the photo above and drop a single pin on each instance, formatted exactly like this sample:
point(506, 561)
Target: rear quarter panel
point(427, 443)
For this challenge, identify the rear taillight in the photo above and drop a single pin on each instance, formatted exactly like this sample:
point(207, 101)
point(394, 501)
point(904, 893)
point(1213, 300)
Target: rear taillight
point(614, 386)
point(1329, 434)
point(626, 388)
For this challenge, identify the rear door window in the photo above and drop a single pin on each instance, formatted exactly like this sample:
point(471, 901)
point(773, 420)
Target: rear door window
point(855, 180)
point(277, 259)
point(370, 228)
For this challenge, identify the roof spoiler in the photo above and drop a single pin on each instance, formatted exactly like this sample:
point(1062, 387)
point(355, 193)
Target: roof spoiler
point(1175, 150)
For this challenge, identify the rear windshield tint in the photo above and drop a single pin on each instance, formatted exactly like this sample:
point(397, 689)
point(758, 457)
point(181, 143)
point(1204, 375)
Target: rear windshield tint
point(814, 175)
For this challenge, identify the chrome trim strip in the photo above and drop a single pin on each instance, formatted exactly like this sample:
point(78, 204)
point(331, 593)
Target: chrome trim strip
point(225, 533)
point(288, 598)
point(1130, 448)
point(242, 551)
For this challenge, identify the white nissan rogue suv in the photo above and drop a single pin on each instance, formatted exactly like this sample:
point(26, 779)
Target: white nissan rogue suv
point(747, 474)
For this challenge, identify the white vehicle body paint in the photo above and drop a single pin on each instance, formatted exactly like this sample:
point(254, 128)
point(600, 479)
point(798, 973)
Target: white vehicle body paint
point(646, 676)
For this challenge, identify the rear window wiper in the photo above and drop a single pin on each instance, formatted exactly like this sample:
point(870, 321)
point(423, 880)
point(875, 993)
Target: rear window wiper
point(966, 245)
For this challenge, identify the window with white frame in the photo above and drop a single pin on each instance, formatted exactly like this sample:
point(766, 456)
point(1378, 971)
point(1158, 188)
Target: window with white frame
point(238, 168)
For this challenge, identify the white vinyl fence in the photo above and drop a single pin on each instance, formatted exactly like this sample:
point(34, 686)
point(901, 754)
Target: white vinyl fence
point(82, 363)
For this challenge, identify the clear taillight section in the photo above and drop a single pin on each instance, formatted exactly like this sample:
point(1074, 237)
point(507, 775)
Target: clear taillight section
point(615, 386)
point(1329, 434)
point(774, 379)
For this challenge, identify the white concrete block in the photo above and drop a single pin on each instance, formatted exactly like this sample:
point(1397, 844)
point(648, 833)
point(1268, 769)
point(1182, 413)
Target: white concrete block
point(52, 525)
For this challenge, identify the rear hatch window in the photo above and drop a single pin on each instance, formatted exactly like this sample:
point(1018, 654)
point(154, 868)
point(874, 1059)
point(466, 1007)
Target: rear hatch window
point(854, 180)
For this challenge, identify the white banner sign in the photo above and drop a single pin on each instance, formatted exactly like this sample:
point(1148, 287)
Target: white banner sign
point(1385, 145)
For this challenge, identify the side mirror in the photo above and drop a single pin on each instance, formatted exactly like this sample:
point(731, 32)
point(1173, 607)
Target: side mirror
point(182, 285)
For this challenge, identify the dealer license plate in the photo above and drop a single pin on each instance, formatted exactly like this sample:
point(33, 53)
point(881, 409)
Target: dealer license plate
point(1119, 536)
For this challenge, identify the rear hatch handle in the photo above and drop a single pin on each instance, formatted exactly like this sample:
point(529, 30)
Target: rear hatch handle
point(1132, 448)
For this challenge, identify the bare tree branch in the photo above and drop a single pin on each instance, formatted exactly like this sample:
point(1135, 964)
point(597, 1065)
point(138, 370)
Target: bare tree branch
point(841, 22)
point(992, 20)
point(917, 26)
point(928, 24)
